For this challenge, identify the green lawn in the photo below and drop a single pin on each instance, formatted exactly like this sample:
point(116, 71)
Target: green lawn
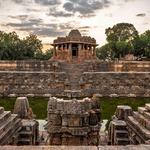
point(108, 105)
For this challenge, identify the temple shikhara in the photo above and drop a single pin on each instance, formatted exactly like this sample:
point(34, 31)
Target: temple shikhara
point(74, 47)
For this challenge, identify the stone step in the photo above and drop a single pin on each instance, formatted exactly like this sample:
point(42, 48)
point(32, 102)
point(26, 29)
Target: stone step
point(147, 106)
point(141, 110)
point(147, 115)
point(122, 141)
point(142, 120)
point(6, 124)
point(10, 131)
point(122, 131)
point(4, 117)
point(1, 110)
point(134, 125)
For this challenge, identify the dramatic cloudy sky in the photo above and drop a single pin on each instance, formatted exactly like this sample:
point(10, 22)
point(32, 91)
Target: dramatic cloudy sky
point(51, 18)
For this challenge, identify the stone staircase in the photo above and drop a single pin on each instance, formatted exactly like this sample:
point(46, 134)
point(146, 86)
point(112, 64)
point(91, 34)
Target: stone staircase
point(9, 127)
point(139, 123)
point(118, 133)
point(74, 73)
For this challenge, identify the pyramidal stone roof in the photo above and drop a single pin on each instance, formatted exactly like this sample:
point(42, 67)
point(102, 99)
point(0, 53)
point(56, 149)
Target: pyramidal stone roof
point(74, 33)
point(75, 36)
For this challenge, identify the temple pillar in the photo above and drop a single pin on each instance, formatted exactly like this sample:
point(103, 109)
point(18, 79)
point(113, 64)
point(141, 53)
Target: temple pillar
point(55, 54)
point(80, 53)
point(70, 51)
point(79, 47)
point(70, 46)
point(62, 47)
point(65, 46)
point(94, 50)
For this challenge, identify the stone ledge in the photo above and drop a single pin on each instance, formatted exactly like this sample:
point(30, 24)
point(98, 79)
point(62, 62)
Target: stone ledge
point(128, 147)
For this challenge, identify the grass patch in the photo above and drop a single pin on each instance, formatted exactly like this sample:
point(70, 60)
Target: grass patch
point(108, 105)
point(38, 105)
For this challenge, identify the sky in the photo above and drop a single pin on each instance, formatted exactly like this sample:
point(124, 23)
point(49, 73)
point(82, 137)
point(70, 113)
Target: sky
point(49, 19)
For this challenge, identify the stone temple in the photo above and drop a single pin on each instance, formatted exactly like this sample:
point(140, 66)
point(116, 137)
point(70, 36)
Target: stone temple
point(73, 122)
point(74, 47)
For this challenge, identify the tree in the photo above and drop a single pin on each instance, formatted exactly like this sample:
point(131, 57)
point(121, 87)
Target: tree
point(145, 37)
point(105, 52)
point(13, 48)
point(120, 41)
point(8, 45)
point(142, 45)
point(121, 32)
point(32, 46)
point(45, 55)
point(123, 48)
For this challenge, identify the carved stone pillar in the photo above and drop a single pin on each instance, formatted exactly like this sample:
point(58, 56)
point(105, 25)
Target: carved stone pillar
point(62, 47)
point(94, 50)
point(79, 47)
point(65, 46)
point(55, 54)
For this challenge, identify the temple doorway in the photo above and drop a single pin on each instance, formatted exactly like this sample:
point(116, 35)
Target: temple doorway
point(74, 50)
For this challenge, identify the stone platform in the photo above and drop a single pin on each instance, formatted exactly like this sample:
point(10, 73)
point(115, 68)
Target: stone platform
point(9, 127)
point(63, 79)
point(129, 147)
point(73, 122)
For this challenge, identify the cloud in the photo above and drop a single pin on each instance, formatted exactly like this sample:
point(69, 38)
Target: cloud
point(24, 21)
point(43, 31)
point(85, 7)
point(55, 13)
point(141, 15)
point(66, 26)
point(87, 15)
point(18, 1)
point(34, 10)
point(85, 27)
point(47, 2)
point(36, 26)
point(19, 17)
point(25, 24)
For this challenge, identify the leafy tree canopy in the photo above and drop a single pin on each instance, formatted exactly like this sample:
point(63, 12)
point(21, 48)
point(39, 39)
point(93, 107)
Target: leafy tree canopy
point(14, 48)
point(121, 32)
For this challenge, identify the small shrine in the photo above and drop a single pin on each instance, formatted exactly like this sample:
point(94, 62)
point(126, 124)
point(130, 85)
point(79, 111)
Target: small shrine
point(74, 47)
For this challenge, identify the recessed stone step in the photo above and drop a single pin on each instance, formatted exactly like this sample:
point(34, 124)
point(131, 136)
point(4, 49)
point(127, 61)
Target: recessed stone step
point(137, 127)
point(142, 120)
point(6, 124)
point(147, 115)
point(4, 116)
point(141, 110)
point(10, 131)
point(147, 106)
point(122, 131)
point(122, 139)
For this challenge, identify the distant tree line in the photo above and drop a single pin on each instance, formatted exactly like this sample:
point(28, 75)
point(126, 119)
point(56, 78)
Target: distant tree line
point(14, 48)
point(123, 39)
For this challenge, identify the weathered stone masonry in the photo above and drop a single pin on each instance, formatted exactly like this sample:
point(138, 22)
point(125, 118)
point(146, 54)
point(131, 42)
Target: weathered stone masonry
point(40, 78)
point(73, 122)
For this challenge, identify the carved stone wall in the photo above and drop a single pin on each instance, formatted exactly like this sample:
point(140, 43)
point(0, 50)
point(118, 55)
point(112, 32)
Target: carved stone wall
point(9, 126)
point(73, 122)
point(130, 127)
point(41, 78)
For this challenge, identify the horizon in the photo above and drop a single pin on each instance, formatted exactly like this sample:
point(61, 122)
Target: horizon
point(49, 19)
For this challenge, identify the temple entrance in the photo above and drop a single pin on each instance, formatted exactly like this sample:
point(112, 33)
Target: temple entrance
point(74, 50)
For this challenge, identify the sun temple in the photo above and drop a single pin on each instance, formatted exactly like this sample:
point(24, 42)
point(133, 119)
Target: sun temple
point(74, 47)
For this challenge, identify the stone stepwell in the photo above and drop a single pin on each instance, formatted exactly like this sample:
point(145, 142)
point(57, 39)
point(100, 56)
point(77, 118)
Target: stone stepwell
point(63, 79)
point(9, 126)
point(130, 127)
